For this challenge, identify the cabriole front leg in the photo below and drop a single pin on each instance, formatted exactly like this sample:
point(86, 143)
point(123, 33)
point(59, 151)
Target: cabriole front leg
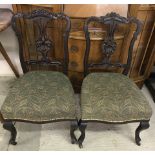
point(73, 128)
point(82, 128)
point(142, 126)
point(10, 127)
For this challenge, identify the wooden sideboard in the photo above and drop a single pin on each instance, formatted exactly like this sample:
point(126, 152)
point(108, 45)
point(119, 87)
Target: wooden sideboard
point(143, 55)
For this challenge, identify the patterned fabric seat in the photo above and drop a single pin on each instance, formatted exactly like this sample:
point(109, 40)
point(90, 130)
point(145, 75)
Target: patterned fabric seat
point(112, 97)
point(40, 96)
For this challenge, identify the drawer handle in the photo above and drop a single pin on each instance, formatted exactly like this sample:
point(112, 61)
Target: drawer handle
point(74, 48)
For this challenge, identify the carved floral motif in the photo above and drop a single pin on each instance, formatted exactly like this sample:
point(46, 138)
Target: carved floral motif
point(112, 20)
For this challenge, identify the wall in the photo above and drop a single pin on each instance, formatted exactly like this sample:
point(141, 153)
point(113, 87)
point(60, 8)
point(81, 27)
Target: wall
point(9, 42)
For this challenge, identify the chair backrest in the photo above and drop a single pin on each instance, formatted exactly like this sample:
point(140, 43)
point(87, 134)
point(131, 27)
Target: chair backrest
point(38, 23)
point(112, 21)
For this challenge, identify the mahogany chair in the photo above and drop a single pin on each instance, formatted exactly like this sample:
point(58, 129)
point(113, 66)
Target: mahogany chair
point(44, 93)
point(110, 97)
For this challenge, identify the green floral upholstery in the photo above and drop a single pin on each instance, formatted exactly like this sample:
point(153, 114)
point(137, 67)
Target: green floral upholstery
point(40, 96)
point(112, 97)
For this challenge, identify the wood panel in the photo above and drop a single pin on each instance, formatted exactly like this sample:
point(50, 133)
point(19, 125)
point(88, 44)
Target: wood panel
point(143, 55)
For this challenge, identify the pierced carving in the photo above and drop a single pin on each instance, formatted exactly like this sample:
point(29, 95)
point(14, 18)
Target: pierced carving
point(108, 48)
point(109, 45)
point(114, 17)
point(43, 43)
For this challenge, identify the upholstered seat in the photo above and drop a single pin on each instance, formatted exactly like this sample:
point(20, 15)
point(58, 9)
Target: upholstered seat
point(113, 97)
point(40, 96)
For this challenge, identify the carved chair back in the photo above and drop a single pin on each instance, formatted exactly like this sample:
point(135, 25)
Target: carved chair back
point(44, 47)
point(108, 47)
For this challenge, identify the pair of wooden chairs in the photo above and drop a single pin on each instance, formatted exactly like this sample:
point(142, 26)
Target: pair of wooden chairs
point(48, 96)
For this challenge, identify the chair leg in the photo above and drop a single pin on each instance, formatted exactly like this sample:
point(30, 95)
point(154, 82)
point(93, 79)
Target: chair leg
point(1, 118)
point(73, 128)
point(142, 126)
point(82, 128)
point(10, 127)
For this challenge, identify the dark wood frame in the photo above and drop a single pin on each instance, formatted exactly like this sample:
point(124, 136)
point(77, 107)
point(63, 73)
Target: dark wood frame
point(43, 45)
point(108, 47)
point(109, 44)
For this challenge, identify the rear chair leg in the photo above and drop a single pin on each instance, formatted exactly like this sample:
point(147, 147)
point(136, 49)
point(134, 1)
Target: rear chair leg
point(82, 128)
point(142, 126)
point(73, 128)
point(10, 127)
